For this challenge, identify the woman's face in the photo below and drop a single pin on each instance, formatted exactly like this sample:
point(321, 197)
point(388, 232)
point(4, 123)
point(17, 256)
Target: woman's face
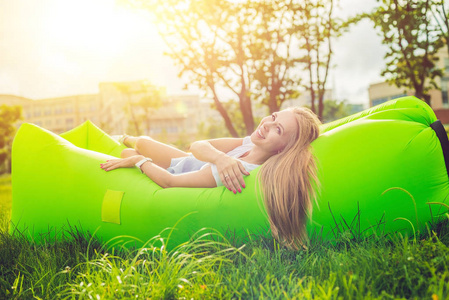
point(274, 132)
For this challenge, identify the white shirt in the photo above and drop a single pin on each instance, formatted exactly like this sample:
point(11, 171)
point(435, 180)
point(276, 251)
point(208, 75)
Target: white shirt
point(237, 152)
point(190, 163)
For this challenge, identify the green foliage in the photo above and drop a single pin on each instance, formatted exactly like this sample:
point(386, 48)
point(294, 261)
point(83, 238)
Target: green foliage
point(183, 142)
point(212, 128)
point(316, 27)
point(9, 115)
point(5, 200)
point(440, 13)
point(141, 103)
point(153, 272)
point(247, 51)
point(148, 104)
point(413, 40)
point(334, 110)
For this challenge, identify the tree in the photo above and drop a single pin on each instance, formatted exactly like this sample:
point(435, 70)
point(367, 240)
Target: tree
point(441, 16)
point(413, 42)
point(197, 34)
point(246, 51)
point(214, 128)
point(275, 54)
point(140, 111)
point(9, 115)
point(316, 27)
point(148, 104)
point(126, 90)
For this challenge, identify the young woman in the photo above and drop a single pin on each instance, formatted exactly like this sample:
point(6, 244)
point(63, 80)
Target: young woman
point(281, 144)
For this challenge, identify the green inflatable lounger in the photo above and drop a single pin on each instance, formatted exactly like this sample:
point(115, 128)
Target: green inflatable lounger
point(381, 170)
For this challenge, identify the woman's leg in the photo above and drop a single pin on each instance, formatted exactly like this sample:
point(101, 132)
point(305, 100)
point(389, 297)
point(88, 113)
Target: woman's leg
point(160, 153)
point(130, 141)
point(128, 152)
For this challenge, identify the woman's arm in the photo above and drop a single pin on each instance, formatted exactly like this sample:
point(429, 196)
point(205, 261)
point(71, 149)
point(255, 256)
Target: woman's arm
point(212, 150)
point(229, 169)
point(201, 178)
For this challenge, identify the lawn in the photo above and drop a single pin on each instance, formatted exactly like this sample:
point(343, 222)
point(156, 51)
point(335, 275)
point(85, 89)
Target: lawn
point(379, 267)
point(5, 200)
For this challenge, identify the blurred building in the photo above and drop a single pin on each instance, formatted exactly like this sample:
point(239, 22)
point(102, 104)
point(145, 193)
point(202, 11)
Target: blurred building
point(115, 109)
point(56, 114)
point(177, 114)
point(439, 101)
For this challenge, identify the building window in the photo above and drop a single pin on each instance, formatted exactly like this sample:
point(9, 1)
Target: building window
point(398, 96)
point(69, 109)
point(69, 121)
point(58, 110)
point(37, 113)
point(172, 129)
point(445, 100)
point(155, 130)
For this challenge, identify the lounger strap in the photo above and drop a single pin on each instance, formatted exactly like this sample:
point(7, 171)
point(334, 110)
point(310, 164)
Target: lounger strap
point(442, 136)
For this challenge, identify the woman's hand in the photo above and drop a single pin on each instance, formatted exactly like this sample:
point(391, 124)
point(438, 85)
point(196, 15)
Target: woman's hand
point(231, 172)
point(128, 162)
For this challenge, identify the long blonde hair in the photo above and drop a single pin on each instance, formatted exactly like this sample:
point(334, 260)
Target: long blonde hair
point(289, 183)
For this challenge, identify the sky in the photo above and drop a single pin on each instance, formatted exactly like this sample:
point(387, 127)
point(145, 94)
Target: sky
point(55, 48)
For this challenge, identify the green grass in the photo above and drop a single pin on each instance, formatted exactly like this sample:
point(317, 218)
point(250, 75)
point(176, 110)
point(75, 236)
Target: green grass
point(5, 200)
point(383, 267)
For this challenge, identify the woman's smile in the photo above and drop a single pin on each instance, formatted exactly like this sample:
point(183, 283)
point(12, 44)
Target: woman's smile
point(274, 132)
point(261, 135)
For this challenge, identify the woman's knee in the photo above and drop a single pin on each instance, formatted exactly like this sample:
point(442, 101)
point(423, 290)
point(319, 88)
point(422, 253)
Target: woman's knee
point(142, 142)
point(128, 152)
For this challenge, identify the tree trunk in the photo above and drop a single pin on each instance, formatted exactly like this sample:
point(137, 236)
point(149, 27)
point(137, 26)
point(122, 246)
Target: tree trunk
point(420, 95)
point(274, 92)
point(247, 112)
point(131, 112)
point(320, 106)
point(312, 99)
point(272, 105)
point(426, 98)
point(223, 112)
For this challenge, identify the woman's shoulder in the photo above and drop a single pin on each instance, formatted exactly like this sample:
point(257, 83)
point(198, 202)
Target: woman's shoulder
point(247, 140)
